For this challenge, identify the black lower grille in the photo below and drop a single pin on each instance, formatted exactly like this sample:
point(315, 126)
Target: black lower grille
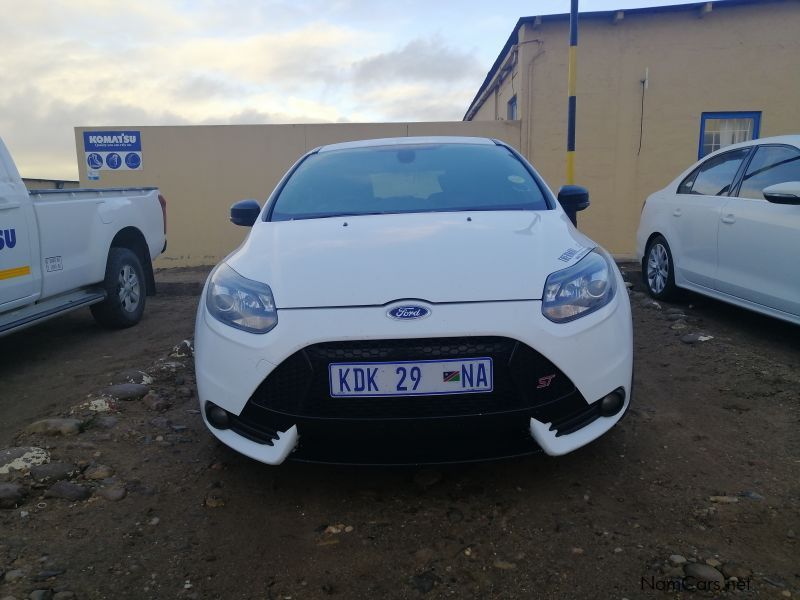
point(413, 429)
point(252, 428)
point(523, 380)
point(575, 421)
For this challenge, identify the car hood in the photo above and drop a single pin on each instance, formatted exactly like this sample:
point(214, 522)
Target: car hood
point(434, 257)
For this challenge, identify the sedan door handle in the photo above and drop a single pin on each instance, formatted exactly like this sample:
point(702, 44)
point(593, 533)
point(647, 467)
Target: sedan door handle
point(729, 218)
point(677, 212)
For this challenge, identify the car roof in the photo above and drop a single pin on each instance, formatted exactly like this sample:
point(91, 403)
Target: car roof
point(792, 140)
point(405, 141)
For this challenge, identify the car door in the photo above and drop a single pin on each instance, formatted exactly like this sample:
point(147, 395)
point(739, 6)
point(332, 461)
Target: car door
point(18, 274)
point(759, 241)
point(695, 213)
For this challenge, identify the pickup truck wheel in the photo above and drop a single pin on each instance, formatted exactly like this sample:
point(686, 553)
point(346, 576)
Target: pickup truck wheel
point(126, 288)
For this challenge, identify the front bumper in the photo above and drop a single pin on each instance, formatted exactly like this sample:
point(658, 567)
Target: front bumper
point(273, 385)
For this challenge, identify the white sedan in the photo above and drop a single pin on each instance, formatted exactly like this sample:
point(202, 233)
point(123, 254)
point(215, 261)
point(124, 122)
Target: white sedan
point(729, 227)
point(413, 300)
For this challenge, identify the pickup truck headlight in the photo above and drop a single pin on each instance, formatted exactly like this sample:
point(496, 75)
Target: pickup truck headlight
point(239, 302)
point(579, 290)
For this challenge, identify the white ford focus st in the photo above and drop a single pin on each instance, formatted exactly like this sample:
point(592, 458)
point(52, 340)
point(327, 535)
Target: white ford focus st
point(413, 300)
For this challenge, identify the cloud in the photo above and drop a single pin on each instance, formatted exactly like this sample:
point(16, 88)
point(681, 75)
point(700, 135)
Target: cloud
point(416, 102)
point(420, 60)
point(38, 129)
point(99, 63)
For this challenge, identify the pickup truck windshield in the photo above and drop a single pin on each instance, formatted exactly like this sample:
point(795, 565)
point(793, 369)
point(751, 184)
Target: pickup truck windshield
point(408, 178)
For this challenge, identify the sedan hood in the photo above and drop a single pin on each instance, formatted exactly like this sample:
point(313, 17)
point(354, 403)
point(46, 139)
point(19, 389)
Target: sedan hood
point(434, 257)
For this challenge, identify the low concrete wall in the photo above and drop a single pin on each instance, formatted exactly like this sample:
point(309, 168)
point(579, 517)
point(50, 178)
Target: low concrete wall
point(202, 170)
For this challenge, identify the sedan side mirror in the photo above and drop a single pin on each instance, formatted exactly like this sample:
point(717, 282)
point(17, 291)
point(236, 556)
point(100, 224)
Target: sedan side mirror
point(245, 213)
point(573, 198)
point(783, 193)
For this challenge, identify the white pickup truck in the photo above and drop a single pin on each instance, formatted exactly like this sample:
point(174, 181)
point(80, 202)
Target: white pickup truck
point(61, 250)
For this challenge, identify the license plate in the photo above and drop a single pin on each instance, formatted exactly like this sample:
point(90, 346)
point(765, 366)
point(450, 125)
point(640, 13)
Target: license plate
point(411, 378)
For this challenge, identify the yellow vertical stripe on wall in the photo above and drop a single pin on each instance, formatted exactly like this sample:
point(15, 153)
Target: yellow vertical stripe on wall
point(15, 272)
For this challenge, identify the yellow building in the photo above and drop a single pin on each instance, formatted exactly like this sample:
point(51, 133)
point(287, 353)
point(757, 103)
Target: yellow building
point(684, 64)
point(656, 88)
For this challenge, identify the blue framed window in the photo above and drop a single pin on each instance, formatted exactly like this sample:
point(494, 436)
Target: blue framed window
point(511, 113)
point(720, 129)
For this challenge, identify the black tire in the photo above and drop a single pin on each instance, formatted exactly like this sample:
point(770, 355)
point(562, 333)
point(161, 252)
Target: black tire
point(126, 290)
point(658, 269)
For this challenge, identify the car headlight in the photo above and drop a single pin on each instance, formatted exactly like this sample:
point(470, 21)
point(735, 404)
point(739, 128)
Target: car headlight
point(580, 289)
point(239, 302)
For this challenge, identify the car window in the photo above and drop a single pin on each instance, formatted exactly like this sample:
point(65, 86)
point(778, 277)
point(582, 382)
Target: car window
point(716, 175)
point(770, 165)
point(686, 185)
point(408, 178)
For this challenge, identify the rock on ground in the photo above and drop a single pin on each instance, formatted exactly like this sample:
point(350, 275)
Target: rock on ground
point(703, 572)
point(52, 472)
point(155, 402)
point(22, 458)
point(126, 391)
point(736, 570)
point(97, 472)
point(11, 494)
point(68, 491)
point(55, 427)
point(676, 560)
point(132, 376)
point(113, 493)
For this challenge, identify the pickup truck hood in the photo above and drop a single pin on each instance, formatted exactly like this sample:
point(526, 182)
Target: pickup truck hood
point(435, 257)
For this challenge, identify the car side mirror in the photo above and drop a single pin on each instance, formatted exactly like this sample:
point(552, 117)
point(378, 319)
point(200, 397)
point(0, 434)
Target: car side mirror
point(245, 213)
point(783, 193)
point(572, 199)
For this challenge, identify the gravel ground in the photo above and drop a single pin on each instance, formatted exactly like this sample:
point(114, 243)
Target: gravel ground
point(699, 485)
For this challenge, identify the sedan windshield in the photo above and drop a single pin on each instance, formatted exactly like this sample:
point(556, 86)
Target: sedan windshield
point(408, 178)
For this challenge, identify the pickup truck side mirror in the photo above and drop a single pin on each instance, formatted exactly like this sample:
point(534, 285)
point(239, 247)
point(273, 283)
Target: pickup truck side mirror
point(572, 199)
point(783, 193)
point(245, 213)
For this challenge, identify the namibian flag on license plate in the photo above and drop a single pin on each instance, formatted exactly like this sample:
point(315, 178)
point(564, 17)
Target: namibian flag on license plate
point(451, 376)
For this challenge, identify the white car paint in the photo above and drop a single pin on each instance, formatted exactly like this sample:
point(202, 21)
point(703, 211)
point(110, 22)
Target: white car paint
point(739, 250)
point(385, 250)
point(60, 243)
point(478, 273)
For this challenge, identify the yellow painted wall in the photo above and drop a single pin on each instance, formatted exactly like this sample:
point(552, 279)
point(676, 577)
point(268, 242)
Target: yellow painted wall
point(202, 170)
point(737, 58)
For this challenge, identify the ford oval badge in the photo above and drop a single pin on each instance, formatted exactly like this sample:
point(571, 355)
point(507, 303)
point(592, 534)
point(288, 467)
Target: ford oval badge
point(408, 312)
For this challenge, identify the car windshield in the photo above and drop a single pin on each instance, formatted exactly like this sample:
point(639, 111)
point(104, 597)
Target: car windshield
point(408, 178)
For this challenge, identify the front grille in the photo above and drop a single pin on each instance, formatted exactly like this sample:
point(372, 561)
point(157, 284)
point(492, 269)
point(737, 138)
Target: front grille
point(299, 386)
point(573, 422)
point(251, 427)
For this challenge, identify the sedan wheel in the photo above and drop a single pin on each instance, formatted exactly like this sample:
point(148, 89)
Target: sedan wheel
point(658, 269)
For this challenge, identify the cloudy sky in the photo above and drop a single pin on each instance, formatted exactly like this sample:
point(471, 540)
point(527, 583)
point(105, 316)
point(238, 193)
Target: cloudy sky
point(68, 63)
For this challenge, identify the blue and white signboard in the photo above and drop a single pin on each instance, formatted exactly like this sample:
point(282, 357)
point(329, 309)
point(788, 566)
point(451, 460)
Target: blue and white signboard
point(112, 151)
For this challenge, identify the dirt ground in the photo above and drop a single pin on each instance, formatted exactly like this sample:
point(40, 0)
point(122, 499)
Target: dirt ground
point(706, 466)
